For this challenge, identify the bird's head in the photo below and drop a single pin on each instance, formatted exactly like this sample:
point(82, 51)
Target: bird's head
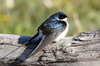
point(54, 22)
point(59, 16)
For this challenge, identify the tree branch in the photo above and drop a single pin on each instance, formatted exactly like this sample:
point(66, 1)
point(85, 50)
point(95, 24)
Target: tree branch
point(80, 50)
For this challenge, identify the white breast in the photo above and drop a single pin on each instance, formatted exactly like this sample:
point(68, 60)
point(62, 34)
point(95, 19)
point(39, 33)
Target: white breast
point(63, 34)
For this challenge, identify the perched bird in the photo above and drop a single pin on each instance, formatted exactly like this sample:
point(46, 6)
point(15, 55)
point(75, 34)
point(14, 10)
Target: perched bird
point(53, 29)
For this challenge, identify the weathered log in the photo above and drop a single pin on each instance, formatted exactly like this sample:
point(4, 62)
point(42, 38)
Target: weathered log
point(80, 50)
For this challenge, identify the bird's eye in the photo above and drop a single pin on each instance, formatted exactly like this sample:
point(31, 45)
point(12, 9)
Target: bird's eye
point(62, 16)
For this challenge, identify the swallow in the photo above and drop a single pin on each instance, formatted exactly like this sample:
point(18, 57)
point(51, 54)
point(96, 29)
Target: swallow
point(54, 28)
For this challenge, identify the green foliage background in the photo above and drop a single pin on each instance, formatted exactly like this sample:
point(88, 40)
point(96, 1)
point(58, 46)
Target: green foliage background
point(27, 15)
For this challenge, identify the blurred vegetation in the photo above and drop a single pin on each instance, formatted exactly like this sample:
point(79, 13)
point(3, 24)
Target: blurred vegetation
point(23, 17)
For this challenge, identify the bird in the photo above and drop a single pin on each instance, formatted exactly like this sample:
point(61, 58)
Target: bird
point(54, 29)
